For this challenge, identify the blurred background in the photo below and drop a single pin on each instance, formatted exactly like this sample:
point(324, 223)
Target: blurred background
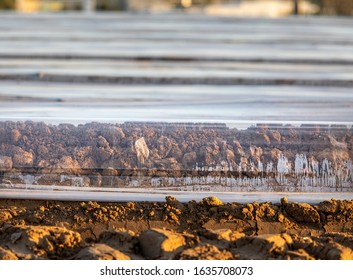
point(270, 8)
point(200, 60)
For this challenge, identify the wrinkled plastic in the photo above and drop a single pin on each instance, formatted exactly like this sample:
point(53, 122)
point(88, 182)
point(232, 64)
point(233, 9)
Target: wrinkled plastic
point(226, 157)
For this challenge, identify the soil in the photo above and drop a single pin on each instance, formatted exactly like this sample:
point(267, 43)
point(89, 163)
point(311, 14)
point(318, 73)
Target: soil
point(203, 230)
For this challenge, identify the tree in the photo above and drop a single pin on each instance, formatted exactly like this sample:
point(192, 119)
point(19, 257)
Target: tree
point(334, 7)
point(7, 4)
point(295, 7)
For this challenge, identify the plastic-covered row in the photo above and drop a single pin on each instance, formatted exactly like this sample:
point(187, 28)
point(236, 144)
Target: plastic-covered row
point(178, 156)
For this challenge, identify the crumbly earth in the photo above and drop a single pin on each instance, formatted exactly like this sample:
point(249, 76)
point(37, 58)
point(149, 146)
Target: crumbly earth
point(202, 230)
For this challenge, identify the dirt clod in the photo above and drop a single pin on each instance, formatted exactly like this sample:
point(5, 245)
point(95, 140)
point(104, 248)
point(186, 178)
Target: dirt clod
point(100, 252)
point(211, 201)
point(303, 212)
point(159, 243)
point(205, 252)
point(7, 255)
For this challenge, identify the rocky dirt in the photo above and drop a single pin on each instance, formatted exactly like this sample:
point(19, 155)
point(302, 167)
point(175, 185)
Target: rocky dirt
point(203, 230)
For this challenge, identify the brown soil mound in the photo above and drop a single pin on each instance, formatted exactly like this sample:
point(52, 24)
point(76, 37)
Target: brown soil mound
point(209, 229)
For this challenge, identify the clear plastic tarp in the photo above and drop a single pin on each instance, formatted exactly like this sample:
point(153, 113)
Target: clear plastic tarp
point(177, 156)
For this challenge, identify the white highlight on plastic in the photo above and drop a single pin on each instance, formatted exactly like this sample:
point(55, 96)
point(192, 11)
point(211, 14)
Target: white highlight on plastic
point(308, 175)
